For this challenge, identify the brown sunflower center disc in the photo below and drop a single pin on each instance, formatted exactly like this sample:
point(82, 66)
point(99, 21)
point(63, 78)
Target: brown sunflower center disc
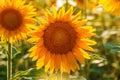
point(60, 37)
point(10, 19)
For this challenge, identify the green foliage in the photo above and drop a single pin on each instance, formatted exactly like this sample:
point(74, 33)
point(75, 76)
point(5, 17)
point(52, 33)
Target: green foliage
point(112, 47)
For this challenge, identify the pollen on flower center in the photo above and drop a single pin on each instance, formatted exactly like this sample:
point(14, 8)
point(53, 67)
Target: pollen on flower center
point(10, 19)
point(59, 37)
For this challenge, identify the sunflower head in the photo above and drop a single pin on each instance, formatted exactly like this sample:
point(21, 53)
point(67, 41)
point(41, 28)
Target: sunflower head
point(61, 41)
point(15, 19)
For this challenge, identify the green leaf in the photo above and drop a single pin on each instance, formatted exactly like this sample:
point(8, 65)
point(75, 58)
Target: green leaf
point(4, 51)
point(115, 51)
point(14, 50)
point(111, 45)
point(20, 74)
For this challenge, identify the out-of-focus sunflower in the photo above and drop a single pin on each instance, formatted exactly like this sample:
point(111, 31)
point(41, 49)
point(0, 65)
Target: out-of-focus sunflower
point(88, 4)
point(111, 6)
point(80, 3)
point(61, 41)
point(92, 4)
point(15, 19)
point(41, 5)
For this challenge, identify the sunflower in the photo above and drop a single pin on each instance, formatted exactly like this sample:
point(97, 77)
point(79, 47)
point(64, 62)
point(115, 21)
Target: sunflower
point(111, 6)
point(80, 3)
point(61, 41)
point(89, 4)
point(16, 18)
point(92, 4)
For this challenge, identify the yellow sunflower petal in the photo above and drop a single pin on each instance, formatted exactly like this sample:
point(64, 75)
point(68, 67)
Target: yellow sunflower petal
point(40, 63)
point(68, 14)
point(54, 11)
point(85, 54)
point(41, 52)
point(61, 13)
point(32, 54)
point(89, 42)
point(47, 58)
point(79, 55)
point(80, 23)
point(33, 48)
point(52, 66)
point(57, 62)
point(83, 45)
point(47, 66)
point(42, 20)
point(72, 61)
point(76, 17)
point(49, 16)
point(65, 64)
point(33, 39)
point(34, 58)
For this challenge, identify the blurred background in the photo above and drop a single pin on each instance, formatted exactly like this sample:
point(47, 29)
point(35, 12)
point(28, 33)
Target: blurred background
point(105, 62)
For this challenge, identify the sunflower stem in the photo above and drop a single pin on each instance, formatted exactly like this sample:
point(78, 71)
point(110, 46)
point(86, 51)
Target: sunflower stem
point(9, 61)
point(61, 76)
point(85, 7)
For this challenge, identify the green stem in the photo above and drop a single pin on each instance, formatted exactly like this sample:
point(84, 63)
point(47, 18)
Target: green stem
point(61, 76)
point(85, 7)
point(9, 61)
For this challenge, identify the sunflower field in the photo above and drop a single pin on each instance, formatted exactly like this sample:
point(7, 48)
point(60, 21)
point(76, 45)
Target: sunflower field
point(59, 39)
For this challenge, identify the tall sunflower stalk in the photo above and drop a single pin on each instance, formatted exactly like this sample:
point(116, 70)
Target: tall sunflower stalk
point(9, 61)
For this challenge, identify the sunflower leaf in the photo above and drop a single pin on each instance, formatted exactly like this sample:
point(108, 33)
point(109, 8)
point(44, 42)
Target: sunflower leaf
point(112, 47)
point(115, 50)
point(20, 74)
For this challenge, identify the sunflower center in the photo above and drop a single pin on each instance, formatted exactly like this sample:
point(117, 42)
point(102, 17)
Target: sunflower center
point(59, 37)
point(10, 19)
